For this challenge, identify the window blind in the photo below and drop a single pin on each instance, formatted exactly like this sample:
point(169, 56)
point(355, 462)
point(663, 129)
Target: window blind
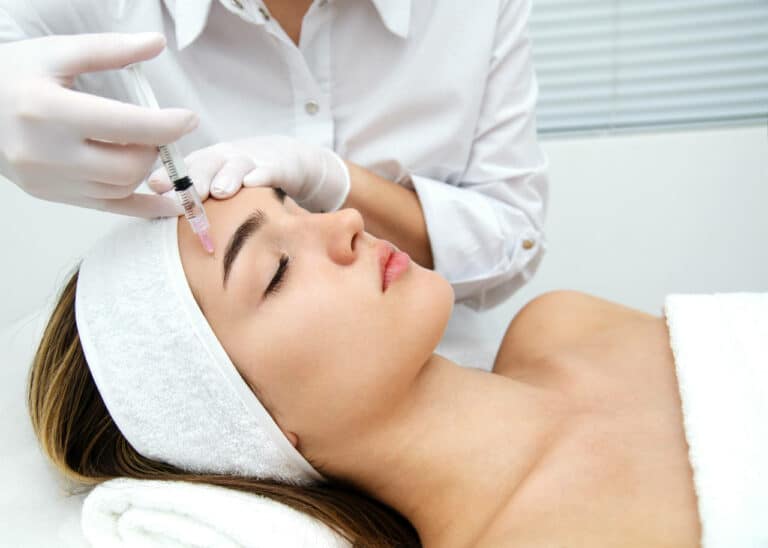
point(617, 65)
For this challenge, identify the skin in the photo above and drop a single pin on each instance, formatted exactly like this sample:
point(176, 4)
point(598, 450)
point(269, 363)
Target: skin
point(576, 438)
point(289, 13)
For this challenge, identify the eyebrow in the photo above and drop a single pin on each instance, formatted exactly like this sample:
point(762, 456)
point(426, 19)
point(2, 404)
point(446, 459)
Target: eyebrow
point(247, 228)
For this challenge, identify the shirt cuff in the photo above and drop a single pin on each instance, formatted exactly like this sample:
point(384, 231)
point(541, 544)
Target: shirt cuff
point(484, 247)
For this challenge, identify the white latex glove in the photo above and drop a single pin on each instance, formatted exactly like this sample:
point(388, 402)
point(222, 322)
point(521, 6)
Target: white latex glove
point(313, 176)
point(67, 146)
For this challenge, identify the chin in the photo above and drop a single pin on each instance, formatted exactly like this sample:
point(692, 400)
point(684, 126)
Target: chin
point(446, 295)
point(430, 303)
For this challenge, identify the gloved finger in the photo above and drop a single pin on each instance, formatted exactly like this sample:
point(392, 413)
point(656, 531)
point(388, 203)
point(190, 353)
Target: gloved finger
point(70, 55)
point(112, 163)
point(136, 205)
point(202, 172)
point(261, 176)
point(229, 179)
point(104, 119)
point(95, 189)
point(159, 181)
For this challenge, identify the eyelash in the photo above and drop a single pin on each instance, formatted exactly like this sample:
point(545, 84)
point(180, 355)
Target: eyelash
point(277, 280)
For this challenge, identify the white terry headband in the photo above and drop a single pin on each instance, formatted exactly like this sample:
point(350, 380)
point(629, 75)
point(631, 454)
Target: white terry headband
point(166, 380)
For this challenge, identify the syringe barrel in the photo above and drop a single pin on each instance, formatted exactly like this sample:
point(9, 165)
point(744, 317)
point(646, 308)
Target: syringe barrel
point(174, 164)
point(193, 206)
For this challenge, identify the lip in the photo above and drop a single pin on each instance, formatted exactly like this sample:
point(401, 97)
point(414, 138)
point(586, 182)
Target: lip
point(392, 263)
point(385, 251)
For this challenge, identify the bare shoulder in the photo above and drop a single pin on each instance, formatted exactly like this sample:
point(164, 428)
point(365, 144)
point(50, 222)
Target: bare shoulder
point(554, 320)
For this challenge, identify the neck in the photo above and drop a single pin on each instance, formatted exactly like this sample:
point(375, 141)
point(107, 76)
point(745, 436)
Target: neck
point(461, 439)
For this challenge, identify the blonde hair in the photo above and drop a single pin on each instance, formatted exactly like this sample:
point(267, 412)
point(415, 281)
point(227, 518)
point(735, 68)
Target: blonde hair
point(81, 439)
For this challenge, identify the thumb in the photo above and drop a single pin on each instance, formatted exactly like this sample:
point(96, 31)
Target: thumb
point(71, 55)
point(159, 181)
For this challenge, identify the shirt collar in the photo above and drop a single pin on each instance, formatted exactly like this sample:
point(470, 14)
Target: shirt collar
point(190, 17)
point(396, 15)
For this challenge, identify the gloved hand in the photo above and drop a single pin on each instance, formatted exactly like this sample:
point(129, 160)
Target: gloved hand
point(313, 176)
point(67, 146)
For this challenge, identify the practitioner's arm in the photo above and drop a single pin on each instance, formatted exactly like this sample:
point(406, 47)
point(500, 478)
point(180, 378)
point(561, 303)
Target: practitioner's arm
point(391, 211)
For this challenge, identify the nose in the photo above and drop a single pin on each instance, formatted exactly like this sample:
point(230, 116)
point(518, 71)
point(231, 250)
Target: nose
point(343, 230)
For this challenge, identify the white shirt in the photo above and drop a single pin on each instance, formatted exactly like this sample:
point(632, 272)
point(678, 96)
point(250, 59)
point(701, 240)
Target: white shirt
point(435, 95)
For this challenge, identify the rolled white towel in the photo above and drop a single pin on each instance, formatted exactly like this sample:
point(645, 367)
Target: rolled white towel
point(720, 344)
point(133, 513)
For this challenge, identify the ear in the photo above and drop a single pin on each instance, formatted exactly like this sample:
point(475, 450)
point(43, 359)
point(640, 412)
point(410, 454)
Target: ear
point(293, 438)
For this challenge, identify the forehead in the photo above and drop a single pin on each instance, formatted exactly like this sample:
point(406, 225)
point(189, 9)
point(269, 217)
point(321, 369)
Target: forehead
point(225, 215)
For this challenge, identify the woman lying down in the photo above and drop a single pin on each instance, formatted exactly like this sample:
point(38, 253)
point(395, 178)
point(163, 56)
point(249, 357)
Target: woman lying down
point(294, 365)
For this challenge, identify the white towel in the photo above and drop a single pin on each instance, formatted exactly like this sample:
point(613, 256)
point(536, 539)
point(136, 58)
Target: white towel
point(720, 343)
point(138, 513)
point(162, 372)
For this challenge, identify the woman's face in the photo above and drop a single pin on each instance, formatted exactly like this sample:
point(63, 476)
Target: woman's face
point(327, 349)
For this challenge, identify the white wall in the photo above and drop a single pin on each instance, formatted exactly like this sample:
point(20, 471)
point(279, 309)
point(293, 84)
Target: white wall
point(635, 217)
point(40, 244)
point(631, 218)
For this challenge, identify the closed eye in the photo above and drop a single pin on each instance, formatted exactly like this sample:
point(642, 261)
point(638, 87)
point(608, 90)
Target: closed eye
point(279, 276)
point(247, 228)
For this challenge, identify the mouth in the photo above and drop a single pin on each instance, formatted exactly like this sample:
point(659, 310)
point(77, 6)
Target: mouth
point(392, 263)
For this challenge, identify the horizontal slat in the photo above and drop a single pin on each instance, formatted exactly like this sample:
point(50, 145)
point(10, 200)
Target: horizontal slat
point(737, 69)
point(605, 119)
point(672, 8)
point(757, 87)
point(574, 10)
point(744, 36)
point(659, 111)
point(754, 56)
point(746, 101)
point(628, 127)
point(657, 116)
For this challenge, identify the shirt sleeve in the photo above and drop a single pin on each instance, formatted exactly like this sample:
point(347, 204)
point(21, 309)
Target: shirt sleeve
point(486, 232)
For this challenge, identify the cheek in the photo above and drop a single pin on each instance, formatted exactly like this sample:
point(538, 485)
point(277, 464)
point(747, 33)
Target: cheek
point(328, 347)
point(324, 340)
point(332, 322)
point(363, 339)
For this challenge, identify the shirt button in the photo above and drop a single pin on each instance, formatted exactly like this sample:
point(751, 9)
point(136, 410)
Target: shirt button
point(311, 107)
point(238, 4)
point(528, 244)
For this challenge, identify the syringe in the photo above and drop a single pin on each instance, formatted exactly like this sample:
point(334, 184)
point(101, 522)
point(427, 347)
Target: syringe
point(175, 167)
